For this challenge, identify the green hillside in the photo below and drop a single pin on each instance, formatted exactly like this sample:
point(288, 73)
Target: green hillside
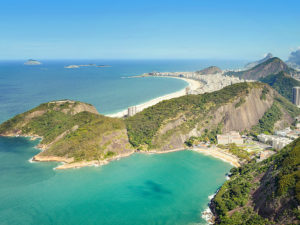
point(144, 126)
point(262, 193)
point(283, 83)
point(164, 125)
point(70, 129)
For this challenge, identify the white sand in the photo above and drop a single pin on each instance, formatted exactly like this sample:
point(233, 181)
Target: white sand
point(193, 84)
point(220, 154)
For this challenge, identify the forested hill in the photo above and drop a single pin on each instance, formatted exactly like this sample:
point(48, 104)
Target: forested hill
point(283, 83)
point(262, 193)
point(71, 130)
point(244, 106)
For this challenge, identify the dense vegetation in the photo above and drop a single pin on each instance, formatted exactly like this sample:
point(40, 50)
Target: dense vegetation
point(238, 151)
point(282, 83)
point(69, 134)
point(84, 142)
point(267, 122)
point(144, 125)
point(273, 114)
point(270, 187)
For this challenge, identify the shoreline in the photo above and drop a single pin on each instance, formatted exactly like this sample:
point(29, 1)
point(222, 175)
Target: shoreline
point(68, 163)
point(233, 160)
point(192, 84)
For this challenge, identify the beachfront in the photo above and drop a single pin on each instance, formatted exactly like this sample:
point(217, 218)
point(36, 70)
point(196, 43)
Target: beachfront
point(193, 85)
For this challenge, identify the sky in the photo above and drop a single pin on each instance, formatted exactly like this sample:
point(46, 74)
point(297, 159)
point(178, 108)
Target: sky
point(148, 29)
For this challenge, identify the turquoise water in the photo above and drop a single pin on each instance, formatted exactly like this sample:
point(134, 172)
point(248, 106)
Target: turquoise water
point(141, 189)
point(168, 188)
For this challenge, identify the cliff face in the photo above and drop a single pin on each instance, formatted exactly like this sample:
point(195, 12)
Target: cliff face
point(228, 116)
point(209, 70)
point(237, 107)
point(71, 132)
point(271, 66)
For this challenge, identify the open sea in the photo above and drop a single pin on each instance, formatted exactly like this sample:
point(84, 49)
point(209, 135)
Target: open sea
point(141, 189)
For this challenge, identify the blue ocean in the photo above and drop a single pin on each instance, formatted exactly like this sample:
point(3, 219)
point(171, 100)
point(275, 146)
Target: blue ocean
point(145, 189)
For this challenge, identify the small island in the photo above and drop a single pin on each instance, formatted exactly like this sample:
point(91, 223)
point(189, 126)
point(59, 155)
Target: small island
point(32, 62)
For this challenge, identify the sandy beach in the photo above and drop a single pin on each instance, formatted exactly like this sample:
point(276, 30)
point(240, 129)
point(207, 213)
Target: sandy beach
point(75, 165)
point(192, 84)
point(215, 152)
point(220, 154)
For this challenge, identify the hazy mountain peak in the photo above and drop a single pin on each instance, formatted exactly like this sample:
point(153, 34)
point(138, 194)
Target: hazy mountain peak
point(253, 64)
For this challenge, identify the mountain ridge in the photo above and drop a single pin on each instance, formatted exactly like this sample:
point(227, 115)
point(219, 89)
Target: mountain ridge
point(271, 66)
point(255, 63)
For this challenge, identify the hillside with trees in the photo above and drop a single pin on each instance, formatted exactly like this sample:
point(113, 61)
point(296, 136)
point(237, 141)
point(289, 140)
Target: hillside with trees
point(283, 83)
point(71, 130)
point(169, 124)
point(261, 193)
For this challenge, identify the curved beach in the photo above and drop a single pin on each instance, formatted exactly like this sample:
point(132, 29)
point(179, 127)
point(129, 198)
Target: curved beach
point(192, 84)
point(218, 153)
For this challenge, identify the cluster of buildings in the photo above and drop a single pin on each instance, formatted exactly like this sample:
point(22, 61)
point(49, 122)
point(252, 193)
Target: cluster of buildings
point(210, 82)
point(277, 142)
point(289, 133)
point(215, 82)
point(281, 138)
point(231, 137)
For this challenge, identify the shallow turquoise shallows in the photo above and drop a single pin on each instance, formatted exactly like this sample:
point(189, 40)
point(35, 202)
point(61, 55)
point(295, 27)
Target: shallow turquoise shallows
point(142, 189)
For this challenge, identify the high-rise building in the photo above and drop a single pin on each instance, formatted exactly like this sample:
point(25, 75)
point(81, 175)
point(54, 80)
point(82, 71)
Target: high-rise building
point(296, 96)
point(132, 110)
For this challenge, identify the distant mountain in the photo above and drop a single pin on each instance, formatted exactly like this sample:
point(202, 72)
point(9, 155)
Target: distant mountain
point(253, 64)
point(271, 66)
point(294, 59)
point(209, 70)
point(282, 83)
